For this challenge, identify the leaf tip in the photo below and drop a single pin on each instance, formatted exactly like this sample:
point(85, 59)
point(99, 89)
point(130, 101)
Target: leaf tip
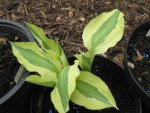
point(116, 107)
point(117, 10)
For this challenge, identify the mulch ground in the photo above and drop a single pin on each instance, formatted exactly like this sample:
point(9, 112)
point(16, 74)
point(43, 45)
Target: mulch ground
point(64, 20)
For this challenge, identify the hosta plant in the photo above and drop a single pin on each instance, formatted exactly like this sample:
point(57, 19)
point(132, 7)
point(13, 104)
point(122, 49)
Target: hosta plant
point(47, 59)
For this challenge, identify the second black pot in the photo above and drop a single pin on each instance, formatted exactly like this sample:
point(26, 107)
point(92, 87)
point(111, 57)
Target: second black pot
point(137, 42)
point(126, 99)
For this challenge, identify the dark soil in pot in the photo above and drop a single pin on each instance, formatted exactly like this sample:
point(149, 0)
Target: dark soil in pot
point(14, 94)
point(139, 57)
point(8, 65)
point(111, 74)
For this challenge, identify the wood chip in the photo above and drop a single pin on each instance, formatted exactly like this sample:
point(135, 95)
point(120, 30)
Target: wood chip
point(58, 19)
point(70, 14)
point(138, 56)
point(13, 16)
point(107, 3)
point(54, 6)
point(26, 10)
point(82, 19)
point(43, 14)
point(130, 64)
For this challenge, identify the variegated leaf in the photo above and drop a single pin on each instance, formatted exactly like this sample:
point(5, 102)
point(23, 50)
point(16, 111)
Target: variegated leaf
point(65, 86)
point(47, 80)
point(34, 59)
point(56, 100)
point(92, 93)
point(103, 32)
point(49, 45)
point(39, 35)
point(63, 57)
point(85, 61)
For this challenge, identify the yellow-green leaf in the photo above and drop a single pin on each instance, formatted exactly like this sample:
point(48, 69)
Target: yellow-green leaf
point(34, 59)
point(49, 45)
point(65, 86)
point(47, 80)
point(56, 100)
point(39, 35)
point(103, 32)
point(92, 93)
point(85, 61)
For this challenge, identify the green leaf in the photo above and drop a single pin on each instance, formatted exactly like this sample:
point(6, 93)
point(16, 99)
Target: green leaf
point(34, 59)
point(85, 61)
point(47, 80)
point(65, 86)
point(56, 100)
point(63, 57)
point(39, 35)
point(92, 93)
point(103, 32)
point(49, 45)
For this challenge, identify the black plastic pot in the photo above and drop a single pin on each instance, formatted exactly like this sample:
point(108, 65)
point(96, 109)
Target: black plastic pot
point(145, 97)
point(16, 98)
point(112, 74)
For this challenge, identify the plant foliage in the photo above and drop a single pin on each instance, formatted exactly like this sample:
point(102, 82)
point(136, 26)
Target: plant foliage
point(48, 60)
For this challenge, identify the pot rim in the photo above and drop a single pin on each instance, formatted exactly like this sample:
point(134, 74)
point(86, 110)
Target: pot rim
point(22, 72)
